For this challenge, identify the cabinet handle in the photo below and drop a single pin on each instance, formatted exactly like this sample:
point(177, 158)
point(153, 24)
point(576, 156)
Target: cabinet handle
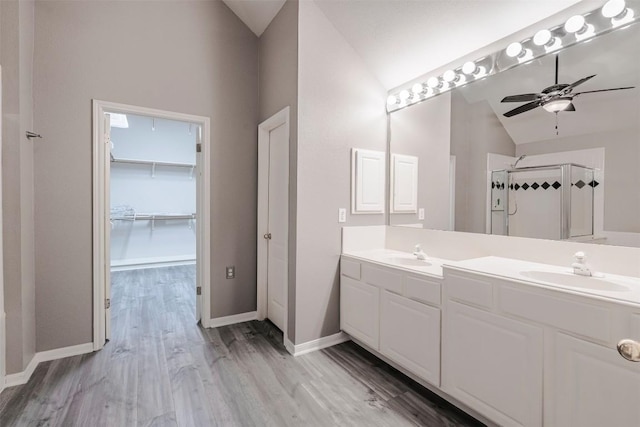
point(630, 350)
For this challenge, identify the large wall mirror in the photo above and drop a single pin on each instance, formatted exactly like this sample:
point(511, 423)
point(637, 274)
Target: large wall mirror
point(463, 165)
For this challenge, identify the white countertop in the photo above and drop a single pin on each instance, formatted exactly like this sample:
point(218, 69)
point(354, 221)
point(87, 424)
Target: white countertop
point(607, 286)
point(390, 258)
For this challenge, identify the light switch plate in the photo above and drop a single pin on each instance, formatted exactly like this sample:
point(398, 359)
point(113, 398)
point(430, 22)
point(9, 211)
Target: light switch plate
point(342, 215)
point(421, 213)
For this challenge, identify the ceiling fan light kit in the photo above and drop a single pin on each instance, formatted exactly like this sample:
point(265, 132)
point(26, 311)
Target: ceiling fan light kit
point(557, 105)
point(577, 29)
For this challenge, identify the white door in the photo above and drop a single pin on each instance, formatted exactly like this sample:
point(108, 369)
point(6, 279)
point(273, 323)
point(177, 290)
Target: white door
point(359, 310)
point(107, 227)
point(493, 364)
point(278, 223)
point(593, 385)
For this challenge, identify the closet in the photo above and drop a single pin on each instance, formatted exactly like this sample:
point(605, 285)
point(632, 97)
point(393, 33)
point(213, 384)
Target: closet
point(153, 192)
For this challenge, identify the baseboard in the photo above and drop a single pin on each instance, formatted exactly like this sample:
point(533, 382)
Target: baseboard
point(140, 263)
point(319, 344)
point(230, 320)
point(46, 356)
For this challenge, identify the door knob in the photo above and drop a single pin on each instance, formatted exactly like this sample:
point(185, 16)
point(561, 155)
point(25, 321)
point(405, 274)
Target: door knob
point(267, 236)
point(630, 350)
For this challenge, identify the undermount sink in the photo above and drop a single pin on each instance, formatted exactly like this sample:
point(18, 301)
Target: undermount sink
point(575, 281)
point(409, 262)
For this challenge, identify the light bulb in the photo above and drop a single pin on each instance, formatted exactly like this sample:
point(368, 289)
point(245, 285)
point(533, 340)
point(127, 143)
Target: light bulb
point(433, 82)
point(613, 8)
point(404, 95)
point(514, 49)
point(449, 76)
point(469, 67)
point(392, 100)
point(542, 37)
point(417, 88)
point(575, 24)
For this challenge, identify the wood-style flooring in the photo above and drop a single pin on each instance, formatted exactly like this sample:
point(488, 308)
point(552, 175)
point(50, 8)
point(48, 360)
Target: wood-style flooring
point(161, 369)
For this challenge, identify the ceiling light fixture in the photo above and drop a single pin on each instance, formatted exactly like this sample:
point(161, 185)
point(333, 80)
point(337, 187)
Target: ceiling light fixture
point(557, 105)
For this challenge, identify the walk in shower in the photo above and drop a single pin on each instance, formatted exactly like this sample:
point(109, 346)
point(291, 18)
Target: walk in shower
point(547, 202)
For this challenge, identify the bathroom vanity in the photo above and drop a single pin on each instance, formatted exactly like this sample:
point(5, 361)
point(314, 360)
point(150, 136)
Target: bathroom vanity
point(514, 342)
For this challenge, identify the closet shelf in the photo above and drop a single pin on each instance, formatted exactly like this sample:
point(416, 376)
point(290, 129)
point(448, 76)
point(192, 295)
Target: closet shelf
point(152, 163)
point(152, 217)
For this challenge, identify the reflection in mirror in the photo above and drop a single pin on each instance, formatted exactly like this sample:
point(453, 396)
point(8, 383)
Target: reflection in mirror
point(574, 174)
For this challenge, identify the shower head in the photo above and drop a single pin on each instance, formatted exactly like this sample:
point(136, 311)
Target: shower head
point(515, 165)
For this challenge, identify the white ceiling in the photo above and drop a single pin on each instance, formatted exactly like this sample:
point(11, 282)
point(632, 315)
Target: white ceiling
point(256, 14)
point(403, 39)
point(613, 58)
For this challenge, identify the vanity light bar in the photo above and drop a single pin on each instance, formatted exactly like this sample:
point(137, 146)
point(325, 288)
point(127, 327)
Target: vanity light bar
point(578, 28)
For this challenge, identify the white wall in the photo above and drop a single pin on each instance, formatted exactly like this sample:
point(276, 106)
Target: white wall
point(424, 131)
point(341, 105)
point(167, 190)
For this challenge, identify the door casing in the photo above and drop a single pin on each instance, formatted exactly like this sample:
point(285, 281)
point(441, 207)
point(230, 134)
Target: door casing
point(264, 129)
point(101, 210)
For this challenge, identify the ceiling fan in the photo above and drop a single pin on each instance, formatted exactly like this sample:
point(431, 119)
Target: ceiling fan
point(553, 99)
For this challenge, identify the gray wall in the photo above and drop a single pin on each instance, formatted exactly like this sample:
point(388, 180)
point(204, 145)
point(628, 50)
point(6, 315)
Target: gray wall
point(279, 88)
point(622, 174)
point(191, 57)
point(341, 105)
point(423, 131)
point(475, 132)
point(16, 58)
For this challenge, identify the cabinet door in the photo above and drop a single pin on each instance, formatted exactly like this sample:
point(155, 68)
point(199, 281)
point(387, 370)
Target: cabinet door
point(493, 364)
point(593, 385)
point(410, 335)
point(359, 310)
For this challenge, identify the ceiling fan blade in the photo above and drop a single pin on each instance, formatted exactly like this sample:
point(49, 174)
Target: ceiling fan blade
point(571, 107)
point(604, 90)
point(577, 83)
point(525, 97)
point(522, 108)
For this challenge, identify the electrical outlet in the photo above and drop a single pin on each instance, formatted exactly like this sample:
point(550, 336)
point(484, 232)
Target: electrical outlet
point(421, 213)
point(342, 215)
point(231, 272)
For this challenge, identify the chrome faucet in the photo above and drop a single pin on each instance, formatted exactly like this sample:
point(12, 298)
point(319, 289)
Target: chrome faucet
point(418, 252)
point(580, 266)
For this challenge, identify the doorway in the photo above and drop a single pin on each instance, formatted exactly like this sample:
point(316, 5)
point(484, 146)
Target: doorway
point(273, 219)
point(151, 209)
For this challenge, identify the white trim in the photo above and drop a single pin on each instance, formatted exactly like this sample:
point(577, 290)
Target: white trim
point(233, 319)
point(3, 331)
point(101, 212)
point(20, 378)
point(278, 119)
point(153, 262)
point(319, 344)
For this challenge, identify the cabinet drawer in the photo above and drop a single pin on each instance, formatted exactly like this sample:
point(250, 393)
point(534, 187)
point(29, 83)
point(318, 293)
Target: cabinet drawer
point(474, 291)
point(382, 277)
point(350, 268)
point(422, 290)
point(560, 312)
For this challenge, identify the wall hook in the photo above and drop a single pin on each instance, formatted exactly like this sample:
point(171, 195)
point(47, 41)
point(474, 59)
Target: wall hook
point(31, 135)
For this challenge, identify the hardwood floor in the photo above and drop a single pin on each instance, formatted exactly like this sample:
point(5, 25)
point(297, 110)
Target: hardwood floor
point(161, 369)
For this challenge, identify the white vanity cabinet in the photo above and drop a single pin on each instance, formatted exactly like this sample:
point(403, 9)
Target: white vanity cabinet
point(527, 355)
point(491, 362)
point(394, 312)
